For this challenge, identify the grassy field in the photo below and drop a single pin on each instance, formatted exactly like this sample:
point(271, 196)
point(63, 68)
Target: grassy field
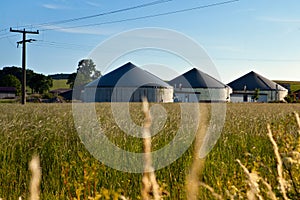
point(61, 83)
point(69, 171)
point(295, 85)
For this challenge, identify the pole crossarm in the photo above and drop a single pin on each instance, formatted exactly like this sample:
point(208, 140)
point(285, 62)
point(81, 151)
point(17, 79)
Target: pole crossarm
point(22, 42)
point(29, 40)
point(24, 31)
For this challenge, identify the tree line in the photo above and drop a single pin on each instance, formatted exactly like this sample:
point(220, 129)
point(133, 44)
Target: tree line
point(12, 77)
point(38, 83)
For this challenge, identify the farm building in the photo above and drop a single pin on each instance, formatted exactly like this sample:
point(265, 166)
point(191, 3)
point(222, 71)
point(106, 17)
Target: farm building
point(252, 84)
point(128, 83)
point(63, 92)
point(59, 91)
point(197, 86)
point(7, 92)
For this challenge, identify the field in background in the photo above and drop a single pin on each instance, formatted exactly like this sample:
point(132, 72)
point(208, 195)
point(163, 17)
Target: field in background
point(68, 170)
point(60, 83)
point(295, 85)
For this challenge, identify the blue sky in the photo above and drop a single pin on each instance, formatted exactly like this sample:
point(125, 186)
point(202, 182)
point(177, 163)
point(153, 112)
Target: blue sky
point(246, 35)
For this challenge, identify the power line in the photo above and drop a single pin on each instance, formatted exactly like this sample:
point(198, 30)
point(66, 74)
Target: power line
point(10, 42)
point(257, 59)
point(61, 47)
point(99, 14)
point(52, 44)
point(146, 16)
point(62, 43)
point(5, 29)
point(56, 45)
point(4, 37)
point(2, 34)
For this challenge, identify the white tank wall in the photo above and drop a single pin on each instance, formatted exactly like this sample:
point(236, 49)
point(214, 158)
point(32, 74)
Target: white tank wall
point(283, 94)
point(167, 94)
point(277, 95)
point(126, 94)
point(264, 96)
point(203, 94)
point(236, 98)
point(7, 95)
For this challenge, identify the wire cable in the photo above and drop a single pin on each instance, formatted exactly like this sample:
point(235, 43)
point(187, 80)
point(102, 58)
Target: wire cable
point(63, 44)
point(257, 59)
point(144, 17)
point(60, 47)
point(99, 14)
point(4, 29)
point(4, 37)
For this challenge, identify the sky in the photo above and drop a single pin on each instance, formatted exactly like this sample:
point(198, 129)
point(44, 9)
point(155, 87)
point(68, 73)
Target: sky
point(238, 36)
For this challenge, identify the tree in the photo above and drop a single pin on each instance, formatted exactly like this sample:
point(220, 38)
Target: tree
point(11, 81)
point(256, 94)
point(290, 98)
point(71, 79)
point(86, 72)
point(37, 82)
point(40, 83)
point(15, 71)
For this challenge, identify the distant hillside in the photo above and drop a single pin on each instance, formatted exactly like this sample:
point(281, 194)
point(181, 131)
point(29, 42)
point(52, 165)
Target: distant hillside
point(59, 76)
point(293, 85)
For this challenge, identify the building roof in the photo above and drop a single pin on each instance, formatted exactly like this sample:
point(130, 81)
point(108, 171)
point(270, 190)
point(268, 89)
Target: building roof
point(8, 89)
point(196, 79)
point(252, 81)
point(59, 90)
point(128, 75)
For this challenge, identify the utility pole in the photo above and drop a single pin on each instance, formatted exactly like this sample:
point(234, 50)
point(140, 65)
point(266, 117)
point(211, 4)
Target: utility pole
point(23, 42)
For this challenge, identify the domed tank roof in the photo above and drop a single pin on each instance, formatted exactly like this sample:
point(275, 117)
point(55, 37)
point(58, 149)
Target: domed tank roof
point(252, 81)
point(195, 78)
point(128, 75)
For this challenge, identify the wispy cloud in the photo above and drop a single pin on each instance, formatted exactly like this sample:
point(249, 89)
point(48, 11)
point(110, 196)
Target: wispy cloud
point(278, 20)
point(92, 31)
point(54, 6)
point(65, 4)
point(227, 48)
point(246, 10)
point(94, 4)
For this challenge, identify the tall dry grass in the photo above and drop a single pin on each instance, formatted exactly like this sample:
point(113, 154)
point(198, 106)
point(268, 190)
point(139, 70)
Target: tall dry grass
point(281, 180)
point(150, 187)
point(68, 169)
point(253, 178)
point(35, 181)
point(198, 164)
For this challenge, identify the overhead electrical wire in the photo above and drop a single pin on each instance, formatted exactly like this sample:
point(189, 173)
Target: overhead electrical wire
point(110, 12)
point(87, 17)
point(257, 59)
point(144, 17)
point(8, 36)
point(62, 45)
point(5, 29)
point(98, 15)
point(117, 11)
point(118, 21)
point(3, 35)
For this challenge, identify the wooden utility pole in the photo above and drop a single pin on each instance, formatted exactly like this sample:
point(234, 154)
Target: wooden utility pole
point(23, 42)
